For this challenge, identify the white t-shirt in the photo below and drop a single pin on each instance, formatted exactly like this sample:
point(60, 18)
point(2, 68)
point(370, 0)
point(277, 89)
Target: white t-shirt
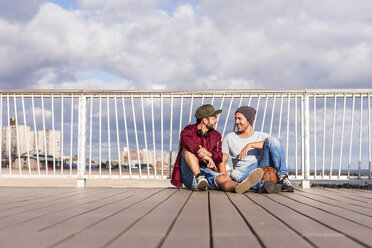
point(233, 144)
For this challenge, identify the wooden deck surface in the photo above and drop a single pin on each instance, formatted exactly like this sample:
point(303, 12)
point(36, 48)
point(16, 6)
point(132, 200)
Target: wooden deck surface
point(158, 217)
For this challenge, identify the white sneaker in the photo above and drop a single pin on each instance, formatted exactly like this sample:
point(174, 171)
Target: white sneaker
point(251, 180)
point(202, 183)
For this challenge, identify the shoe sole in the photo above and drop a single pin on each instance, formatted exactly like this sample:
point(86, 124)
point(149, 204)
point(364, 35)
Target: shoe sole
point(271, 187)
point(289, 189)
point(202, 185)
point(253, 178)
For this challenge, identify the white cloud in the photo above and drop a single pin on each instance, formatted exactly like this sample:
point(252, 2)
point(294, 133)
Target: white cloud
point(212, 44)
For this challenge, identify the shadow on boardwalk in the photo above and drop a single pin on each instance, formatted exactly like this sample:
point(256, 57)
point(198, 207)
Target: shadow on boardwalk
point(168, 217)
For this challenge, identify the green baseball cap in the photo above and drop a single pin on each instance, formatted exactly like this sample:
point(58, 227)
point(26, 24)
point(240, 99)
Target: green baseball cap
point(205, 111)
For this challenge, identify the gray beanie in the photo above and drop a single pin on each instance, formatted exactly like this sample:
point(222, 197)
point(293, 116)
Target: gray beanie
point(248, 112)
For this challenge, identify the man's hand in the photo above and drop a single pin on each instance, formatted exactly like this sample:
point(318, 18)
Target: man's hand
point(243, 153)
point(210, 163)
point(202, 152)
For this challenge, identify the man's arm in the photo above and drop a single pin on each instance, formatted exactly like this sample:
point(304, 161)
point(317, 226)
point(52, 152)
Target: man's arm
point(258, 145)
point(188, 142)
point(222, 165)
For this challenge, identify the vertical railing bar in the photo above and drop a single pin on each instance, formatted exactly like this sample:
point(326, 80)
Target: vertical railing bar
point(218, 117)
point(191, 105)
point(153, 134)
point(170, 137)
point(53, 138)
point(227, 117)
point(117, 133)
point(181, 110)
point(145, 136)
point(324, 130)
point(62, 160)
point(1, 133)
point(213, 97)
point(108, 132)
point(241, 100)
point(202, 101)
point(72, 130)
point(369, 136)
point(162, 135)
point(272, 114)
point(360, 136)
point(17, 136)
point(135, 132)
point(90, 134)
point(296, 138)
point(257, 106)
point(342, 137)
point(126, 136)
point(304, 139)
point(44, 136)
point(305, 112)
point(333, 137)
point(100, 136)
point(315, 144)
point(35, 133)
point(280, 115)
point(287, 143)
point(264, 114)
point(250, 100)
point(351, 137)
point(9, 137)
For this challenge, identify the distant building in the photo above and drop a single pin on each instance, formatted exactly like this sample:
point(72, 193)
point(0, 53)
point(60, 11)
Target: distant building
point(144, 156)
point(25, 131)
point(33, 161)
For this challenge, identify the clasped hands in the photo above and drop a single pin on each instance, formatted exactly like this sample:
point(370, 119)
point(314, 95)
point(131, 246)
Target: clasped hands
point(206, 156)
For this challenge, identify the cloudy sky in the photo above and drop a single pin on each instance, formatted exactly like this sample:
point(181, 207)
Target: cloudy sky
point(198, 44)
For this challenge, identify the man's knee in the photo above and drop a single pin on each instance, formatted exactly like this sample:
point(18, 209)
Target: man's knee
point(221, 179)
point(273, 142)
point(189, 156)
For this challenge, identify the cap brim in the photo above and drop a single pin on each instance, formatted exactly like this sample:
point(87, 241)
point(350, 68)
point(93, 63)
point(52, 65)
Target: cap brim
point(217, 112)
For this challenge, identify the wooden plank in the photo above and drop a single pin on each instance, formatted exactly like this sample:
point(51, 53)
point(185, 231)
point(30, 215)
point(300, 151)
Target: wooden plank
point(24, 195)
point(339, 198)
point(335, 210)
point(228, 226)
point(152, 229)
point(37, 203)
point(106, 230)
point(349, 195)
point(360, 192)
point(191, 228)
point(56, 231)
point(26, 213)
point(350, 229)
point(311, 230)
point(337, 203)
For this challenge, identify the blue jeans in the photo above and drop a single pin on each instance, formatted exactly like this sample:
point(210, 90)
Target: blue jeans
point(189, 179)
point(273, 155)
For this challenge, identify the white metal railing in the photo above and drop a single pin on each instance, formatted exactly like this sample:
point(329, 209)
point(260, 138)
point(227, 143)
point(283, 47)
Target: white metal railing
point(326, 134)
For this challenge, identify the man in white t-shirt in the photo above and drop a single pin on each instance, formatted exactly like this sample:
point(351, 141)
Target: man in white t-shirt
point(250, 150)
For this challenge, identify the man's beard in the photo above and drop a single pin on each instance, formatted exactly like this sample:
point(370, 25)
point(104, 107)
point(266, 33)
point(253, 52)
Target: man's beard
point(240, 131)
point(210, 127)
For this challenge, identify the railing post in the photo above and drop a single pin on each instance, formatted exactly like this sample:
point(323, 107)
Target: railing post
point(82, 128)
point(306, 142)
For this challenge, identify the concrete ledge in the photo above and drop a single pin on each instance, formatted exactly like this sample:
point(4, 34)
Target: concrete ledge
point(63, 182)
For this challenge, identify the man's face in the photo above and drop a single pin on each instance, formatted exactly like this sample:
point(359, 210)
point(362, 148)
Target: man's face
point(211, 122)
point(241, 122)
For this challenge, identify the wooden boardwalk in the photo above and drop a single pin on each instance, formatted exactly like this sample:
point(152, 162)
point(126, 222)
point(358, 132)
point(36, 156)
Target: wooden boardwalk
point(158, 217)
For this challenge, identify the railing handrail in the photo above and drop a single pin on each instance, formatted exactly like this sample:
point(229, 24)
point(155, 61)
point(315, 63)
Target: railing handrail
point(180, 92)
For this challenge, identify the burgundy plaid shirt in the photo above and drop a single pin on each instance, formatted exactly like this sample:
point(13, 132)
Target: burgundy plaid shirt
point(191, 141)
